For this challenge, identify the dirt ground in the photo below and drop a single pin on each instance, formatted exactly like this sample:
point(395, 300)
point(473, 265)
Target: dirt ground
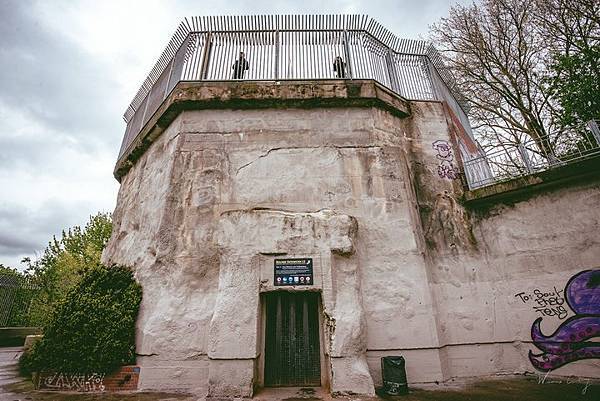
point(526, 388)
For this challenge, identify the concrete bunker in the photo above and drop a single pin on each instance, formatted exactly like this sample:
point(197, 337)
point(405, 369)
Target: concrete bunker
point(220, 179)
point(214, 230)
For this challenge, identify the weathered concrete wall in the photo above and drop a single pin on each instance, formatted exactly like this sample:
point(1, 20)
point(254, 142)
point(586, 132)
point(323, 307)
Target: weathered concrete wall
point(530, 248)
point(209, 163)
point(403, 266)
point(179, 282)
point(496, 268)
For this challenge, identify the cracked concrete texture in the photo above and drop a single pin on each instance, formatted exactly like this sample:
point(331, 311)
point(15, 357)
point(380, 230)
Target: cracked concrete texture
point(251, 95)
point(480, 258)
point(261, 187)
point(326, 235)
point(403, 267)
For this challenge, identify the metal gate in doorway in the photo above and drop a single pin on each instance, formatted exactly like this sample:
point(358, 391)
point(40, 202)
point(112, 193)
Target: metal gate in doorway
point(292, 352)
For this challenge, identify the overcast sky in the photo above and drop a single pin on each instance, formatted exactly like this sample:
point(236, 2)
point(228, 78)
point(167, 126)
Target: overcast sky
point(68, 70)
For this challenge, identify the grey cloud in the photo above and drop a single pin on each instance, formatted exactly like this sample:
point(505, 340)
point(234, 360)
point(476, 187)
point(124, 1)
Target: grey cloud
point(9, 245)
point(26, 152)
point(53, 81)
point(53, 98)
point(406, 18)
point(26, 230)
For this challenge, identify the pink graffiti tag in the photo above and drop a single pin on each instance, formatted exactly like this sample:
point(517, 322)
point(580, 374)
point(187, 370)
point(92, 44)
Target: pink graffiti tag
point(446, 168)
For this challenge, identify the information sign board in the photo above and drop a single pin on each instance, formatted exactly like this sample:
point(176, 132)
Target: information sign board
point(297, 271)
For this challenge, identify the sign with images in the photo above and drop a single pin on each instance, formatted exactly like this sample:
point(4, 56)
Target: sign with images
point(297, 271)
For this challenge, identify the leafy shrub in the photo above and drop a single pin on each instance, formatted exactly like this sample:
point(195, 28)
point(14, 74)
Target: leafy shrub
point(93, 328)
point(64, 262)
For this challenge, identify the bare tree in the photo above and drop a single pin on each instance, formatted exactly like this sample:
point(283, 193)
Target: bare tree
point(498, 56)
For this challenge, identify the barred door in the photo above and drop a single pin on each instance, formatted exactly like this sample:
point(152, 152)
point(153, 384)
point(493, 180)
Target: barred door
point(292, 354)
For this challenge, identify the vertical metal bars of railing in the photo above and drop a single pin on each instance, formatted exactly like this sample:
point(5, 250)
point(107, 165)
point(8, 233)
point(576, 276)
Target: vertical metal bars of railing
point(289, 47)
point(531, 156)
point(415, 81)
point(371, 59)
point(16, 294)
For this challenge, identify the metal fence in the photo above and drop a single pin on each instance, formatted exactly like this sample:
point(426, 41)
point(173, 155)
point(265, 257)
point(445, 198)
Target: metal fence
point(16, 294)
point(530, 156)
point(294, 47)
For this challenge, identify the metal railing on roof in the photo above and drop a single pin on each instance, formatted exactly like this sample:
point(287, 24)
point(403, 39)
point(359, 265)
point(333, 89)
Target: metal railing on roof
point(293, 47)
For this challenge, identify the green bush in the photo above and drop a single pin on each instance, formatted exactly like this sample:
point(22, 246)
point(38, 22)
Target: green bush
point(93, 328)
point(63, 264)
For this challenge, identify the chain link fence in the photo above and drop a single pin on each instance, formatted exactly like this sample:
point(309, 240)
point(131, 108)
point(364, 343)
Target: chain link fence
point(16, 295)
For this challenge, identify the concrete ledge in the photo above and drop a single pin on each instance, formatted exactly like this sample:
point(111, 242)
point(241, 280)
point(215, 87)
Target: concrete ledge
point(199, 95)
point(11, 336)
point(519, 189)
point(175, 375)
point(31, 340)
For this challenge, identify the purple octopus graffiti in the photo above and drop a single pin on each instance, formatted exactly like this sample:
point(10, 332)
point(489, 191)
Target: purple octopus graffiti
point(573, 339)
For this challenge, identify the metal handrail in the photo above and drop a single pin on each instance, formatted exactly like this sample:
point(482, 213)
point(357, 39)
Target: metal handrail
point(270, 23)
point(529, 157)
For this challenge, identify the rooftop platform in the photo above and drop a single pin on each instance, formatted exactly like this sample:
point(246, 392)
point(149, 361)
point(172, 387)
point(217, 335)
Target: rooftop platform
point(257, 95)
point(287, 50)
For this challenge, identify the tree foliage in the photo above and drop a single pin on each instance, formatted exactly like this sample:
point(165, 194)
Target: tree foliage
point(497, 56)
point(9, 271)
point(93, 328)
point(574, 78)
point(16, 293)
point(64, 262)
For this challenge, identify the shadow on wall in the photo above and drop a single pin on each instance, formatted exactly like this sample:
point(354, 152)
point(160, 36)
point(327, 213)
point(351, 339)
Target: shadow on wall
point(572, 340)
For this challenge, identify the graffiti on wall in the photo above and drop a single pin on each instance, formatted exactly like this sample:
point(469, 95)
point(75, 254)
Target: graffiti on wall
point(446, 168)
point(90, 382)
point(546, 303)
point(575, 338)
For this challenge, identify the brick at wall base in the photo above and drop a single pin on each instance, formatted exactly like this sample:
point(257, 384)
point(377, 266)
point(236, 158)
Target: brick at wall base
point(124, 379)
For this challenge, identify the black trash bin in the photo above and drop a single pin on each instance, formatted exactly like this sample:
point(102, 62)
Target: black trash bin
point(394, 376)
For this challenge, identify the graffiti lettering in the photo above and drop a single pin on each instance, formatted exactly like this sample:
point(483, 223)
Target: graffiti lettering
point(573, 339)
point(546, 379)
point(446, 168)
point(546, 303)
point(91, 382)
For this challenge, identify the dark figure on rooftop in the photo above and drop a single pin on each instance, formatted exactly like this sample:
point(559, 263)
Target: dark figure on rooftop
point(339, 67)
point(240, 66)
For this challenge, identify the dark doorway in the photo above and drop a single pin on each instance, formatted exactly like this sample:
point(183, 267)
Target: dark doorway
point(292, 353)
